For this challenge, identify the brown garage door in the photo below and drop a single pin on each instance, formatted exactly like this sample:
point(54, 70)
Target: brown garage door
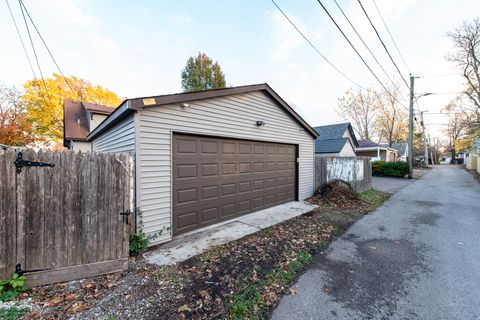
point(216, 179)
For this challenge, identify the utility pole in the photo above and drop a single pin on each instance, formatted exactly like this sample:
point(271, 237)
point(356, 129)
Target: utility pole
point(410, 130)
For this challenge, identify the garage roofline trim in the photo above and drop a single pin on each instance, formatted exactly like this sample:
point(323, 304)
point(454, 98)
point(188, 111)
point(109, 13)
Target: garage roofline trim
point(137, 104)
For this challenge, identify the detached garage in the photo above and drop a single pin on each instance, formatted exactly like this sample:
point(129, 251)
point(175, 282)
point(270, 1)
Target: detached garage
point(206, 157)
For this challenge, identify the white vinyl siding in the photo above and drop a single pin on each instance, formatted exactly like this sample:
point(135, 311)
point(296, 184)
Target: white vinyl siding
point(233, 116)
point(347, 150)
point(119, 138)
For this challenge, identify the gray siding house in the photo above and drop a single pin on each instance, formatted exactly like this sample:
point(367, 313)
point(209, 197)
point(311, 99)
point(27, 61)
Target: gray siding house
point(206, 157)
point(336, 140)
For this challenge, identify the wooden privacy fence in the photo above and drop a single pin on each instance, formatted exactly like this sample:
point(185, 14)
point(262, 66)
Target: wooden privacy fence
point(355, 170)
point(64, 222)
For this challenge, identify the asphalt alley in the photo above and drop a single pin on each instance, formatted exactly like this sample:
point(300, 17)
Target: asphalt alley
point(415, 257)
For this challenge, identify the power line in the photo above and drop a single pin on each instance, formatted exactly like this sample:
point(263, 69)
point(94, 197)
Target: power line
point(383, 44)
point(36, 59)
point(315, 48)
point(358, 54)
point(45, 44)
point(391, 37)
point(21, 40)
point(361, 39)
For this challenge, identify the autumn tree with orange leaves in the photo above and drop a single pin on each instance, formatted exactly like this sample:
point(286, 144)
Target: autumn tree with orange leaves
point(44, 102)
point(15, 129)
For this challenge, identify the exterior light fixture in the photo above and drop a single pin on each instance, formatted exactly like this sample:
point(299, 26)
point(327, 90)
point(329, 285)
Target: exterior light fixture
point(185, 105)
point(260, 123)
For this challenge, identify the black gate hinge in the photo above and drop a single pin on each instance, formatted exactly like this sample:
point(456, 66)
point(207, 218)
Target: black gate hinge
point(19, 163)
point(20, 272)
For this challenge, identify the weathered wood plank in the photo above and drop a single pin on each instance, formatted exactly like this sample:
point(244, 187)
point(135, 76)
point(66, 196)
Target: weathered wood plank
point(35, 213)
point(75, 272)
point(70, 175)
point(59, 191)
point(100, 210)
point(92, 210)
point(21, 211)
point(49, 209)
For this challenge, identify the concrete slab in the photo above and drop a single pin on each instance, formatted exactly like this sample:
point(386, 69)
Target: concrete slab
point(192, 244)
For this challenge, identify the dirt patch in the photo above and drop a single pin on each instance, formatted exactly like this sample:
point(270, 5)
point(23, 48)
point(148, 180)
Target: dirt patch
point(241, 279)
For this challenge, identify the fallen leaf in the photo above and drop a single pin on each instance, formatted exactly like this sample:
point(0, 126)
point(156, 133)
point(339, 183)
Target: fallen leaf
point(293, 291)
point(54, 301)
point(184, 308)
point(77, 307)
point(71, 297)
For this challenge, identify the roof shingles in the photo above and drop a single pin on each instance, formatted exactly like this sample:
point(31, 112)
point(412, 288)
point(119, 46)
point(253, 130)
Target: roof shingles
point(75, 118)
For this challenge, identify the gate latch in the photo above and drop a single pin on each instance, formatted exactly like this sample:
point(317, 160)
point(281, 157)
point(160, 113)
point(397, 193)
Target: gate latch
point(20, 163)
point(125, 215)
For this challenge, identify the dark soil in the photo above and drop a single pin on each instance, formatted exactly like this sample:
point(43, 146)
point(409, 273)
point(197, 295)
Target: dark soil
point(205, 286)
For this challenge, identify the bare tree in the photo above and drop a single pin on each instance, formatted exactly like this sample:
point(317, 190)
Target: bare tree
point(392, 121)
point(466, 39)
point(457, 125)
point(360, 109)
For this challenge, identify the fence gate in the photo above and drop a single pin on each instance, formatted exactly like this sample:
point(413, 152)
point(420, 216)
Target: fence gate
point(63, 215)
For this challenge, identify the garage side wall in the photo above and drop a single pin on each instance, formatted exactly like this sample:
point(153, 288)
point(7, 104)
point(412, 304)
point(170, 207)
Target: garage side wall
point(233, 117)
point(119, 138)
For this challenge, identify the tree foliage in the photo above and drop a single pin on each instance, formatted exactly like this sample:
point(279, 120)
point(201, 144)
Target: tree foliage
point(44, 102)
point(457, 126)
point(201, 73)
point(392, 120)
point(360, 108)
point(15, 129)
point(466, 39)
point(375, 115)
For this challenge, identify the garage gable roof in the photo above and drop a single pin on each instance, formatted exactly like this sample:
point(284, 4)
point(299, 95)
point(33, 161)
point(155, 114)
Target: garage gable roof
point(139, 103)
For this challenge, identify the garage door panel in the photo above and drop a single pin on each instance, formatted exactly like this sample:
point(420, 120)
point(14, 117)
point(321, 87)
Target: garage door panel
point(217, 179)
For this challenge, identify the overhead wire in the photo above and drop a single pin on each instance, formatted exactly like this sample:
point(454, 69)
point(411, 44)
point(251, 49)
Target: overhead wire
point(391, 37)
point(315, 48)
point(46, 46)
point(364, 43)
point(359, 55)
point(21, 40)
point(36, 56)
point(383, 44)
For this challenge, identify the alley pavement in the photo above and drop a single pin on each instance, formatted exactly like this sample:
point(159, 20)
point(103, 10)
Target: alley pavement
point(415, 257)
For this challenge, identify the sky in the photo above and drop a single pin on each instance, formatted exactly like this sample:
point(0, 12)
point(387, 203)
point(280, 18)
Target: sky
point(138, 48)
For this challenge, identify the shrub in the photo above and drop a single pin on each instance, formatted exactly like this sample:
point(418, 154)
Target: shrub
point(389, 169)
point(10, 288)
point(138, 243)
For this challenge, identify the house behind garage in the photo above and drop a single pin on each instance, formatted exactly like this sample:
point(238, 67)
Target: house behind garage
point(336, 140)
point(206, 157)
point(79, 119)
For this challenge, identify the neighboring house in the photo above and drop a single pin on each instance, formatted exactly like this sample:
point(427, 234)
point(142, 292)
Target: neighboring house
point(402, 151)
point(210, 156)
point(367, 148)
point(79, 119)
point(336, 140)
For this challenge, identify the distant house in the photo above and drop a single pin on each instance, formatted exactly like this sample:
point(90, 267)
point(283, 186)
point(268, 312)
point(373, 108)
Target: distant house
point(79, 119)
point(336, 140)
point(367, 148)
point(402, 151)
